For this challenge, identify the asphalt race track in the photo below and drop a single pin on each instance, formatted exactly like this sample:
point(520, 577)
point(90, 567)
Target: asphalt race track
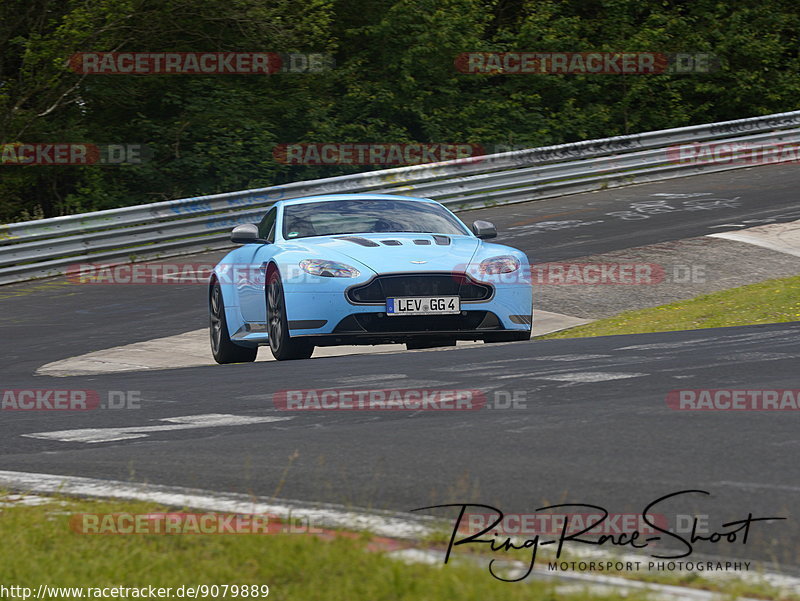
point(592, 425)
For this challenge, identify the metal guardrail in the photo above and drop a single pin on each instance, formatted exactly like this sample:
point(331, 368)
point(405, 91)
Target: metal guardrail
point(46, 247)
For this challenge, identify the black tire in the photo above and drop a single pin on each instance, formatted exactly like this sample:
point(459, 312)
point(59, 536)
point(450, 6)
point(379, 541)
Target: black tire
point(282, 345)
point(222, 347)
point(422, 343)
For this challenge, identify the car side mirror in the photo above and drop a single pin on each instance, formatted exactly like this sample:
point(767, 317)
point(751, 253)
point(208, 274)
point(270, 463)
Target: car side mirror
point(484, 229)
point(245, 234)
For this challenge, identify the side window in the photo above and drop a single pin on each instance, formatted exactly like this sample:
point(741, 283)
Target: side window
point(266, 229)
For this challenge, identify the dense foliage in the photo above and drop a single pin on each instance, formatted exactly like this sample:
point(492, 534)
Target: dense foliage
point(394, 81)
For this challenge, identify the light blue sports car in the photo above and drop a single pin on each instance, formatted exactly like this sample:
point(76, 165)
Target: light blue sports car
point(364, 269)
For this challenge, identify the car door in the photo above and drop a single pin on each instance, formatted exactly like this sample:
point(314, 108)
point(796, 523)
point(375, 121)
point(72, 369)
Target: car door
point(250, 277)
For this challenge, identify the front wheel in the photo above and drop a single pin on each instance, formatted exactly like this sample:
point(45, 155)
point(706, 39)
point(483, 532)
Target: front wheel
point(282, 345)
point(223, 348)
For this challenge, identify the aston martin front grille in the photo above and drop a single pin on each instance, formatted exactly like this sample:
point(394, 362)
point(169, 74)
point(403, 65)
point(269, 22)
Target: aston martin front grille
point(378, 323)
point(378, 289)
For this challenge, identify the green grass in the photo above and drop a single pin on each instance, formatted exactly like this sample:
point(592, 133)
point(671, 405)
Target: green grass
point(38, 547)
point(773, 301)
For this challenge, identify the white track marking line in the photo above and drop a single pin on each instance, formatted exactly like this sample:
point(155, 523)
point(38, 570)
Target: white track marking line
point(187, 422)
point(372, 378)
point(780, 237)
point(324, 515)
point(174, 276)
point(569, 357)
point(589, 376)
point(682, 194)
point(23, 500)
point(661, 345)
point(729, 340)
point(742, 236)
point(755, 486)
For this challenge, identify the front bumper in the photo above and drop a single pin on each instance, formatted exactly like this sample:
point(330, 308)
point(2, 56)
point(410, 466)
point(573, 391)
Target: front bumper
point(378, 328)
point(332, 318)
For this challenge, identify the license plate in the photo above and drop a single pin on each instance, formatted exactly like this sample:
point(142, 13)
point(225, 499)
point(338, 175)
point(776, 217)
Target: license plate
point(423, 305)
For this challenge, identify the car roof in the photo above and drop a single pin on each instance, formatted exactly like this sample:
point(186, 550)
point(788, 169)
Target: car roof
point(333, 197)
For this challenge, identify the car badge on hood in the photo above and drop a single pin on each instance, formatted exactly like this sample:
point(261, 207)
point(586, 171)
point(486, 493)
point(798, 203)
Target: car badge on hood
point(418, 262)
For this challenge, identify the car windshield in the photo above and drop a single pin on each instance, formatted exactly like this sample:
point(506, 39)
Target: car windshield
point(366, 216)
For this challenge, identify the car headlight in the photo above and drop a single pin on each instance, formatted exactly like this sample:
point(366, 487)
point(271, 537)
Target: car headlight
point(328, 269)
point(504, 264)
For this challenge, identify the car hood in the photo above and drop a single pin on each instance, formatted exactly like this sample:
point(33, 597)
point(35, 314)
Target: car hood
point(402, 254)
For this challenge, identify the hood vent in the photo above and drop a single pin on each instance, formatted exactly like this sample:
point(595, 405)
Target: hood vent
point(422, 242)
point(441, 240)
point(357, 240)
point(391, 242)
